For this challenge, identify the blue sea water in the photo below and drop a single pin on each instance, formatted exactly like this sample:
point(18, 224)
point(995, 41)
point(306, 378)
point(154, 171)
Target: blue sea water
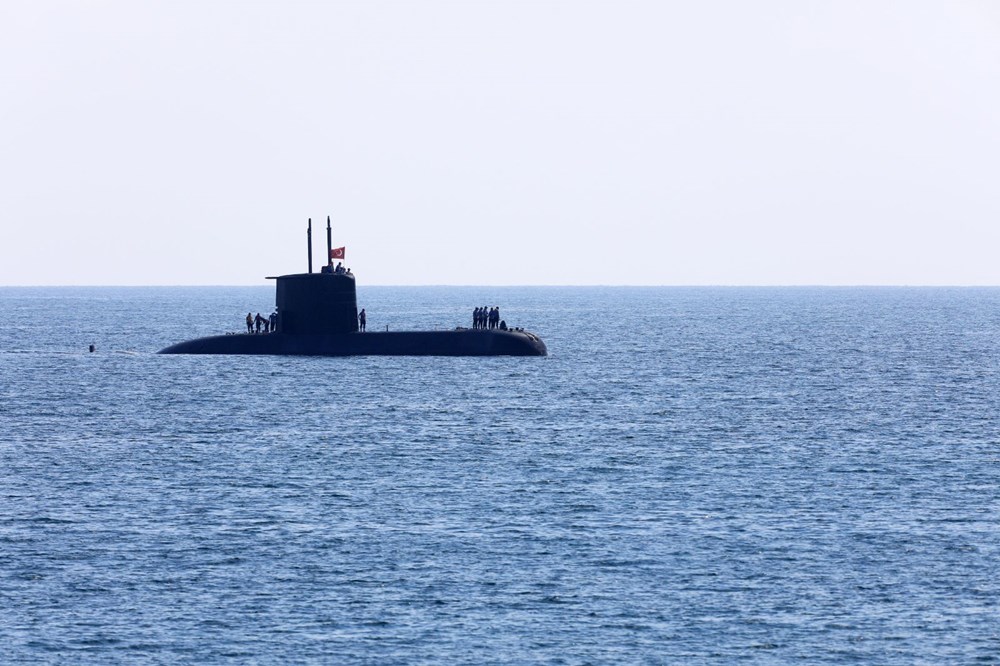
point(696, 476)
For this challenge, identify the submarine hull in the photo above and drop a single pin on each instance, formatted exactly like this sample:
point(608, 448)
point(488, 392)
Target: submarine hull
point(460, 342)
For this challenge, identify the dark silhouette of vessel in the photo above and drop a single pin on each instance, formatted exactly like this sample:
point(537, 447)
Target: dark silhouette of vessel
point(317, 315)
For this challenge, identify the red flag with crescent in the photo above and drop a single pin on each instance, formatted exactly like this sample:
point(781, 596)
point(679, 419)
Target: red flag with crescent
point(338, 252)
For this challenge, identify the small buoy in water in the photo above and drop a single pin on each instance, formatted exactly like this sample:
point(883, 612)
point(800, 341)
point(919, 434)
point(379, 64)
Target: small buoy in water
point(93, 348)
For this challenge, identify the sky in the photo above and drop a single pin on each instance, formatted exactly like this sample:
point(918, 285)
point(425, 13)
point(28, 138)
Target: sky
point(775, 142)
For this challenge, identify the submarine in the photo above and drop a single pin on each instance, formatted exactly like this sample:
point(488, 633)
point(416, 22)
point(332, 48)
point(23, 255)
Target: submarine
point(317, 315)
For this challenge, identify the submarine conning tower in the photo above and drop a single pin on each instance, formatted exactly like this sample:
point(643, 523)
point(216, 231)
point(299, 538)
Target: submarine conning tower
point(317, 303)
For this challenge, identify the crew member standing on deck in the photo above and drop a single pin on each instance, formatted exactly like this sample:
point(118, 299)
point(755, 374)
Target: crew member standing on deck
point(249, 323)
point(362, 320)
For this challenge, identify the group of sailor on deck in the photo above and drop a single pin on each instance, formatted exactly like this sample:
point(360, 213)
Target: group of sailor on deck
point(269, 324)
point(487, 318)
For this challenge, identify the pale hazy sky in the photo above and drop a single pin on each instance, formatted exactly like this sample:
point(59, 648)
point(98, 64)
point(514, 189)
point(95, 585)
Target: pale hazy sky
point(694, 142)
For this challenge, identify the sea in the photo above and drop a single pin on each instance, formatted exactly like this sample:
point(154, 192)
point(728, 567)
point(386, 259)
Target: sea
point(691, 476)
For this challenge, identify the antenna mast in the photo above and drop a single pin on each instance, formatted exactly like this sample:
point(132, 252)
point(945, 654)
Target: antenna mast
point(329, 242)
point(309, 242)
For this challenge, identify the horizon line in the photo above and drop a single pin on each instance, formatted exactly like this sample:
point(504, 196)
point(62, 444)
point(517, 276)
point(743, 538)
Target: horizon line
point(531, 286)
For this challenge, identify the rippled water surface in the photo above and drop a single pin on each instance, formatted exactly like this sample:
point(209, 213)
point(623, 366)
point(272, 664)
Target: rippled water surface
point(691, 476)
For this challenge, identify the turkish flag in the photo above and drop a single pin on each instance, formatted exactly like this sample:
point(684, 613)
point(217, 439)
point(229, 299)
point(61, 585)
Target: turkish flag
point(338, 252)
